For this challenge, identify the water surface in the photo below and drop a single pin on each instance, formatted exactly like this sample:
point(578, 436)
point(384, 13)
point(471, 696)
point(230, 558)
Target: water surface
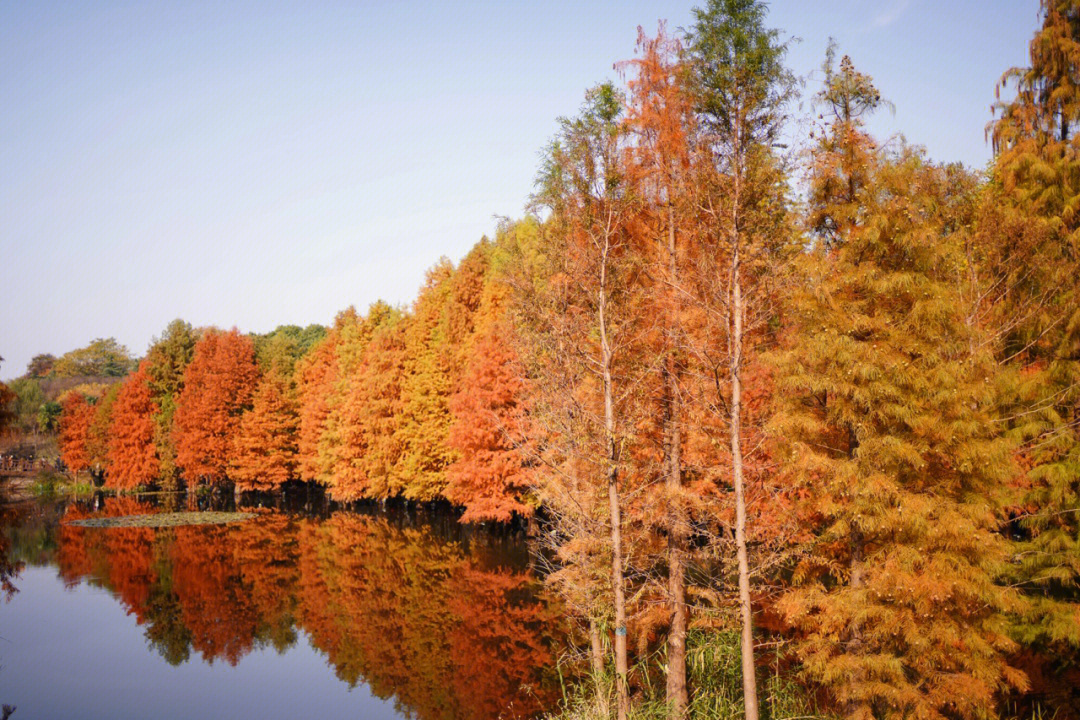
point(302, 611)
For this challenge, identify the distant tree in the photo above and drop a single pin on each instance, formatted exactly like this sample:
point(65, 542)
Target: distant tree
point(40, 365)
point(29, 398)
point(218, 386)
point(316, 377)
point(8, 412)
point(48, 416)
point(285, 345)
point(8, 400)
point(359, 448)
point(133, 460)
point(425, 391)
point(102, 357)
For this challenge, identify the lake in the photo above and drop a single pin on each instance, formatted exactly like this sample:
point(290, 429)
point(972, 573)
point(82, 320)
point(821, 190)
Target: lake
point(303, 610)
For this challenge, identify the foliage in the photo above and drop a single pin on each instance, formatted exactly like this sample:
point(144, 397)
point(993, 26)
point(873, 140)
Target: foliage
point(133, 458)
point(264, 457)
point(218, 386)
point(102, 357)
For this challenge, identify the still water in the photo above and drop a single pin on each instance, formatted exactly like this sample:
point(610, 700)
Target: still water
point(304, 611)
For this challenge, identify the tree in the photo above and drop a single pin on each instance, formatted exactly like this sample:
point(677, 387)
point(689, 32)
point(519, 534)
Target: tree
point(741, 88)
point(166, 361)
point(75, 419)
point(660, 164)
point(889, 426)
point(218, 387)
point(286, 344)
point(102, 357)
point(425, 391)
point(41, 365)
point(97, 436)
point(48, 416)
point(29, 399)
point(581, 327)
point(265, 455)
point(8, 399)
point(133, 459)
point(491, 434)
point(316, 377)
point(1026, 251)
point(360, 447)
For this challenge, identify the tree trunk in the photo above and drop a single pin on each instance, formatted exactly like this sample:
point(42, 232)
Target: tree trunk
point(748, 671)
point(617, 581)
point(677, 693)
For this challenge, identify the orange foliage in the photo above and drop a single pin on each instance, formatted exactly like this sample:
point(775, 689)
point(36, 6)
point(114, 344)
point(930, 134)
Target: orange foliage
point(369, 449)
point(490, 432)
point(74, 427)
point(266, 443)
point(218, 385)
point(132, 455)
point(316, 376)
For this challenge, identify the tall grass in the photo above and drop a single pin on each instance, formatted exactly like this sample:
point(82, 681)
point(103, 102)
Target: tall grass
point(715, 678)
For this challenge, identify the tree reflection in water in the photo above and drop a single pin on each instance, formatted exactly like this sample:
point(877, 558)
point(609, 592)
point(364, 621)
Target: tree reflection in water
point(450, 623)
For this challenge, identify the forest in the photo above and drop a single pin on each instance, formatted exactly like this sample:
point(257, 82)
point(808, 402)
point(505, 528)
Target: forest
point(814, 401)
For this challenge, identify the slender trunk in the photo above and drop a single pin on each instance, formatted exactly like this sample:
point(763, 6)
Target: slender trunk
point(617, 581)
point(597, 658)
point(857, 546)
point(737, 311)
point(677, 693)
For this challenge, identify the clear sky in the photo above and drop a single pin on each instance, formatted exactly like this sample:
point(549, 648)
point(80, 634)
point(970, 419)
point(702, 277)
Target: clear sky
point(256, 164)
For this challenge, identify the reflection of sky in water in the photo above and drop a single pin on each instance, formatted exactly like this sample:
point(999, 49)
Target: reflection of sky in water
point(75, 653)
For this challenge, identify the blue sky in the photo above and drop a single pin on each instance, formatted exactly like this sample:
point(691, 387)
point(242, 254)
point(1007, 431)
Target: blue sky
point(254, 164)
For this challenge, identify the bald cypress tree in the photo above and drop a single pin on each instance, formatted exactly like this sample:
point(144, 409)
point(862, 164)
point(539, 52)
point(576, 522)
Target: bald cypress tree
point(1028, 245)
point(889, 427)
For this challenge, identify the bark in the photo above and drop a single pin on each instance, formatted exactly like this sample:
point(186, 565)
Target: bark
point(677, 693)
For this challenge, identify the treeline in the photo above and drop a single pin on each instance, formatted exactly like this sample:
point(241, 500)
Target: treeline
point(832, 397)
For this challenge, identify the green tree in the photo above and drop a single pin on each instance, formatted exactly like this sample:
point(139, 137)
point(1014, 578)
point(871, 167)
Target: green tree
point(102, 357)
point(48, 416)
point(741, 89)
point(166, 360)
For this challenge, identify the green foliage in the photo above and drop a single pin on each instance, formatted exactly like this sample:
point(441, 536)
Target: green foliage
point(48, 416)
point(102, 357)
point(166, 361)
point(738, 73)
point(714, 673)
point(29, 399)
point(285, 345)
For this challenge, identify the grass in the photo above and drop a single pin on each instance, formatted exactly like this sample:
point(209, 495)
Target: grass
point(715, 678)
point(49, 484)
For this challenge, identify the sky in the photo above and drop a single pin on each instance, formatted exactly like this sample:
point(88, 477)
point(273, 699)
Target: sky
point(253, 164)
